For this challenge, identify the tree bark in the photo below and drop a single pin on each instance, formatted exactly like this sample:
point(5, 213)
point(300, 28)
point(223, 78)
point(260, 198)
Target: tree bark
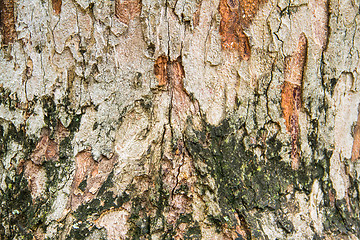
point(180, 119)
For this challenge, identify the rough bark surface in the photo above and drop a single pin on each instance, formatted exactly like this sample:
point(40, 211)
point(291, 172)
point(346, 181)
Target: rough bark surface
point(180, 119)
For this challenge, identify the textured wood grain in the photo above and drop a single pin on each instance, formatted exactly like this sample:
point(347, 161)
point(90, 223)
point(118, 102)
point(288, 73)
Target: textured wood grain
point(291, 96)
point(236, 16)
point(7, 21)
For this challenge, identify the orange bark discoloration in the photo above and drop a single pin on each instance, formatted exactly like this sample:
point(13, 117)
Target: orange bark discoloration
point(7, 21)
point(355, 154)
point(56, 5)
point(160, 70)
point(236, 16)
point(169, 72)
point(126, 10)
point(291, 96)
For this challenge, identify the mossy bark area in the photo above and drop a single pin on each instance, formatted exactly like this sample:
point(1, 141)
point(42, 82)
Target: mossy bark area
point(179, 119)
point(252, 187)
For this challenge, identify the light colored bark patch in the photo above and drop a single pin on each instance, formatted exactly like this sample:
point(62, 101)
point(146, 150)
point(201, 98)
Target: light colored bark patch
point(346, 116)
point(115, 223)
point(346, 104)
point(319, 18)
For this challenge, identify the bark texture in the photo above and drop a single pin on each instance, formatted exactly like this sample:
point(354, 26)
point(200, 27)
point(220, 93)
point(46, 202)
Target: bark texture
point(180, 119)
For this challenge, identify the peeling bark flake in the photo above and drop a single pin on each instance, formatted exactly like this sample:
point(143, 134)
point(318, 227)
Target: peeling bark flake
point(47, 149)
point(56, 5)
point(236, 16)
point(89, 177)
point(7, 21)
point(355, 154)
point(160, 70)
point(126, 10)
point(291, 96)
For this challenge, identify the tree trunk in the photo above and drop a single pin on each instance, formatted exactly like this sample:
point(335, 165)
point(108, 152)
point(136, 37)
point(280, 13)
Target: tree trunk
point(180, 119)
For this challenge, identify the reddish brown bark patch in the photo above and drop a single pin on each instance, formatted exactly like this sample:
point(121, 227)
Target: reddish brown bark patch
point(89, 177)
point(46, 150)
point(160, 70)
point(56, 5)
point(126, 10)
point(291, 96)
point(236, 16)
point(7, 21)
point(182, 106)
point(169, 72)
point(176, 74)
point(356, 144)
